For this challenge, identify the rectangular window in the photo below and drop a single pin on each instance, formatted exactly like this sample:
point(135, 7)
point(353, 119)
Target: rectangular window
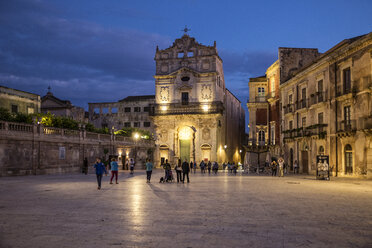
point(146, 124)
point(137, 109)
point(347, 114)
point(290, 125)
point(180, 55)
point(136, 124)
point(185, 98)
point(290, 99)
point(114, 110)
point(190, 54)
point(303, 100)
point(14, 108)
point(105, 110)
point(127, 109)
point(126, 124)
point(272, 135)
point(320, 118)
point(146, 109)
point(347, 80)
point(320, 91)
point(303, 121)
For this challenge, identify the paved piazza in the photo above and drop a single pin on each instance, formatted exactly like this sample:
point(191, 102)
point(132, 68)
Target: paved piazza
point(211, 211)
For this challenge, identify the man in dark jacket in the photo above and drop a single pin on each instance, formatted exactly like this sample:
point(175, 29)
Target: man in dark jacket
point(185, 170)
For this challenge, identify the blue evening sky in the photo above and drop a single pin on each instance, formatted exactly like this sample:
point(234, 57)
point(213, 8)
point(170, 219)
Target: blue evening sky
point(93, 51)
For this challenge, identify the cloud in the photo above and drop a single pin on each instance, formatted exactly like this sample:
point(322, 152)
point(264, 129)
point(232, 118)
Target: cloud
point(39, 48)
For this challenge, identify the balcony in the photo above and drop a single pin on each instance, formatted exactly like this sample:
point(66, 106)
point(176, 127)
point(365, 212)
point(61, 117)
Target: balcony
point(304, 103)
point(257, 146)
point(318, 97)
point(346, 126)
point(289, 108)
point(190, 108)
point(260, 99)
point(365, 123)
point(317, 130)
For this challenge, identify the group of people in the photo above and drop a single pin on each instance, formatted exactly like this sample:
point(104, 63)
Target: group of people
point(281, 167)
point(231, 167)
point(182, 171)
point(113, 167)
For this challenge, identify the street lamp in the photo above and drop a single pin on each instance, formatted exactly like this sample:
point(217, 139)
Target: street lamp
point(136, 137)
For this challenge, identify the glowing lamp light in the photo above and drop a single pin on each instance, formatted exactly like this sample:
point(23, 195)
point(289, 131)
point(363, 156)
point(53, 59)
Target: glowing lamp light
point(136, 136)
point(205, 108)
point(185, 133)
point(164, 108)
point(225, 146)
point(240, 151)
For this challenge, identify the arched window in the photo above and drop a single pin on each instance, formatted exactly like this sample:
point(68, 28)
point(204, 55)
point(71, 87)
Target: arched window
point(321, 150)
point(348, 159)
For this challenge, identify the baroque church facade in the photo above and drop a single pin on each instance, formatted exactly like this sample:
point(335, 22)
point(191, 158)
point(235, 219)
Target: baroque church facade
point(195, 116)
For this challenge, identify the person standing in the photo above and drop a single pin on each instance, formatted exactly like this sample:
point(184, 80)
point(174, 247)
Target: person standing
point(167, 168)
point(114, 170)
point(191, 166)
point(132, 164)
point(295, 167)
point(178, 169)
point(100, 168)
point(149, 167)
point(281, 167)
point(194, 167)
point(201, 166)
point(209, 167)
point(274, 166)
point(185, 170)
point(85, 166)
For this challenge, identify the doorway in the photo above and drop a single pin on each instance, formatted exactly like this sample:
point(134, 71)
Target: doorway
point(305, 162)
point(185, 150)
point(348, 159)
point(291, 159)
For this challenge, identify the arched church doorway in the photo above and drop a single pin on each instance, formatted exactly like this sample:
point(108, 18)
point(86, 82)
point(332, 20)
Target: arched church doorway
point(185, 135)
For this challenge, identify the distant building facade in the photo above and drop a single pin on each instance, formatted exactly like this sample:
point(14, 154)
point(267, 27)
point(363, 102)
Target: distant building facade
point(132, 111)
point(195, 116)
point(18, 101)
point(264, 103)
point(63, 108)
point(327, 110)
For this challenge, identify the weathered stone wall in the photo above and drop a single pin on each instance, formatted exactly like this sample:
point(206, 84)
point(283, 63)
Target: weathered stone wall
point(32, 149)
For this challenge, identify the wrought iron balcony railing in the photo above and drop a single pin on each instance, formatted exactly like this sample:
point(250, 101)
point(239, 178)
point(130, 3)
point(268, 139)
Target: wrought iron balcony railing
point(346, 126)
point(190, 108)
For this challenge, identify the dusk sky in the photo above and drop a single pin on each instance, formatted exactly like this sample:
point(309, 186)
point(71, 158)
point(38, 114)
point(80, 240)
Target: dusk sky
point(95, 51)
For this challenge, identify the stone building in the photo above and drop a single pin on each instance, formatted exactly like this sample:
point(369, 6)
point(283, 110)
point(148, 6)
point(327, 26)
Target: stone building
point(327, 110)
point(132, 111)
point(195, 116)
point(18, 101)
point(264, 102)
point(64, 108)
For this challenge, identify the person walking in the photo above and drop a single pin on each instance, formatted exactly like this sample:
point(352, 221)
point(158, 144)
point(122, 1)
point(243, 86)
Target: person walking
point(114, 170)
point(209, 167)
point(215, 167)
point(295, 167)
point(281, 167)
point(234, 167)
point(132, 164)
point(100, 168)
point(85, 166)
point(194, 167)
point(191, 165)
point(178, 169)
point(149, 167)
point(274, 167)
point(185, 171)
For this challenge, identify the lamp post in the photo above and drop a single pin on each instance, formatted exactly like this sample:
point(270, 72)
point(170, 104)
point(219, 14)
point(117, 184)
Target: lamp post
point(136, 136)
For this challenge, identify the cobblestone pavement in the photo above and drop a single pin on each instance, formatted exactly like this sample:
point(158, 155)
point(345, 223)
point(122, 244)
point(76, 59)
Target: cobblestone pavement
point(211, 211)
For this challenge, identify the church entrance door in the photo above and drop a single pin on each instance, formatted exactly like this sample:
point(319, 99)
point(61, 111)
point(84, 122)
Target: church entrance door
point(185, 150)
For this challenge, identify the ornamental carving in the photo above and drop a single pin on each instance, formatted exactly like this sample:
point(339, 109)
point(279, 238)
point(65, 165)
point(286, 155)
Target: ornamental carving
point(164, 93)
point(206, 92)
point(206, 134)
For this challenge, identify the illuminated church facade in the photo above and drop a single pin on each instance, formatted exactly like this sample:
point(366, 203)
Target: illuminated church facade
point(195, 116)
